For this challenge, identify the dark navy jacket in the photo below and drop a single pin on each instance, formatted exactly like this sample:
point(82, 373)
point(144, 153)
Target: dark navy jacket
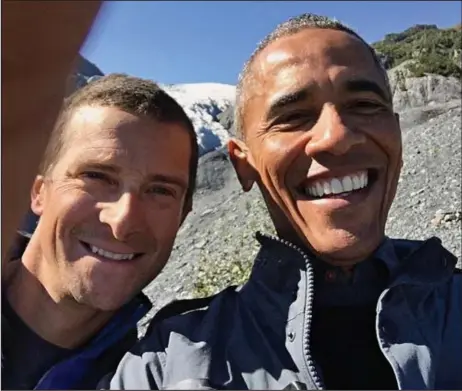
point(258, 336)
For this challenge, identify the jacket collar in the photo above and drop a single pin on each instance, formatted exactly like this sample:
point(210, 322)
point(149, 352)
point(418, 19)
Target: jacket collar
point(72, 373)
point(423, 263)
point(279, 262)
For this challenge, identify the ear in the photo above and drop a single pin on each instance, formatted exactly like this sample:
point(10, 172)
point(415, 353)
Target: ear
point(243, 163)
point(37, 195)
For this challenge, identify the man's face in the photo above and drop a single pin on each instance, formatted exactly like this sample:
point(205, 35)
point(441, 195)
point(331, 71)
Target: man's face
point(111, 207)
point(323, 143)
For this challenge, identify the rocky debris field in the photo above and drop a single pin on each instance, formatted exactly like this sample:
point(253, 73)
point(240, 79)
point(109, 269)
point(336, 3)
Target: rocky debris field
point(215, 247)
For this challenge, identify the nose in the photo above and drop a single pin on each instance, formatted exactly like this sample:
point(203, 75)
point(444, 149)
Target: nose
point(124, 216)
point(331, 135)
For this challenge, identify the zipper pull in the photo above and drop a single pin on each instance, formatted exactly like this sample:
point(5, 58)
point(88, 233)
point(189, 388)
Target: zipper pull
point(295, 385)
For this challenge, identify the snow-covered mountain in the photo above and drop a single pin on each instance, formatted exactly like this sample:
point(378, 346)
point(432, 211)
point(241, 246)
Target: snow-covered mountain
point(203, 102)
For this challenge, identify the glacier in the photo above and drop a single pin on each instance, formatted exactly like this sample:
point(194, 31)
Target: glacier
point(203, 102)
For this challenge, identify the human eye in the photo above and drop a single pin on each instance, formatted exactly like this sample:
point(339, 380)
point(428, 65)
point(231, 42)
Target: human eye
point(161, 190)
point(97, 176)
point(364, 106)
point(295, 118)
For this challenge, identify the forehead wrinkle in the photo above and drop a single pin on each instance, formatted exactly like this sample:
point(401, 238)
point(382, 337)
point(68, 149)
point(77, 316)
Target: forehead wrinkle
point(101, 154)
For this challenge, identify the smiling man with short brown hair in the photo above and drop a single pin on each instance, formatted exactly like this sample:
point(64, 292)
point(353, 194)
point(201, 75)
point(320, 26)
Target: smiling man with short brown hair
point(115, 185)
point(331, 302)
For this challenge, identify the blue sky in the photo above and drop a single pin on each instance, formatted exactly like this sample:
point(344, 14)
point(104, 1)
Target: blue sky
point(198, 41)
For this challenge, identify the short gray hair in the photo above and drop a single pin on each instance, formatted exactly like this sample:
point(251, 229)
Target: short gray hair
point(287, 28)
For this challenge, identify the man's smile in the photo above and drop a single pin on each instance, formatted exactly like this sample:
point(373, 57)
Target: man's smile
point(334, 190)
point(332, 185)
point(105, 254)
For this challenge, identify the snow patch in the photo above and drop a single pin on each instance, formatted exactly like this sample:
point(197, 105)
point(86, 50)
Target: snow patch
point(203, 102)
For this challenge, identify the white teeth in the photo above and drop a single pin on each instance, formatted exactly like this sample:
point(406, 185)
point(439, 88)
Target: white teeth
point(320, 189)
point(340, 185)
point(365, 179)
point(111, 255)
point(336, 186)
point(347, 183)
point(312, 190)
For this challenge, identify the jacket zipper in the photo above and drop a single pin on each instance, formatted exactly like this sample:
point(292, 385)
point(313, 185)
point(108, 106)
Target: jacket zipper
point(308, 316)
point(382, 343)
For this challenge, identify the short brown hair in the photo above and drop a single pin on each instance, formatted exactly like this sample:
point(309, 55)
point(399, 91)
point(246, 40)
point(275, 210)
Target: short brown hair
point(131, 94)
point(287, 28)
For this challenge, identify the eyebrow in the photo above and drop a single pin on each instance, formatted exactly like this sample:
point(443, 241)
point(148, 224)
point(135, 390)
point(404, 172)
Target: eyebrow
point(364, 85)
point(164, 178)
point(288, 99)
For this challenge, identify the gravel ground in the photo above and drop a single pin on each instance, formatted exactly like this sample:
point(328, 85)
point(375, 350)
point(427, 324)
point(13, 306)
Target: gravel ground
point(428, 202)
point(215, 247)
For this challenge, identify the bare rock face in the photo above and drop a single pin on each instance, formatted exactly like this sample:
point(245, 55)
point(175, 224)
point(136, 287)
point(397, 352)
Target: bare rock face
point(411, 92)
point(226, 118)
point(214, 171)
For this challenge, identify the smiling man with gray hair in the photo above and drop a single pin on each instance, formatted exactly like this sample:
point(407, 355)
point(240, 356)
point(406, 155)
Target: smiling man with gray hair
point(331, 303)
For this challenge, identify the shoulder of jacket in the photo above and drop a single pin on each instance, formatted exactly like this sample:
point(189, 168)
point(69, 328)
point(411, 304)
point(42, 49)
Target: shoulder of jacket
point(180, 307)
point(406, 247)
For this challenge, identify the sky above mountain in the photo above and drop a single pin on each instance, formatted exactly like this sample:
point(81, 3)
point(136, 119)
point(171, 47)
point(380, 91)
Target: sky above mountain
point(208, 41)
